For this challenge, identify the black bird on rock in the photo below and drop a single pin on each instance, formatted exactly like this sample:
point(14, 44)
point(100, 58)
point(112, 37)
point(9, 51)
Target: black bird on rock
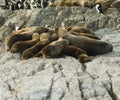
point(99, 8)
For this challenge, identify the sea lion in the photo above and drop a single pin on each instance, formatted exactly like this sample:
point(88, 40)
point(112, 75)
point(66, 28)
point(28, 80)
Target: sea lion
point(78, 53)
point(91, 46)
point(85, 34)
point(46, 35)
point(69, 3)
point(65, 3)
point(20, 46)
point(80, 30)
point(30, 52)
point(44, 40)
point(53, 49)
point(22, 35)
point(53, 37)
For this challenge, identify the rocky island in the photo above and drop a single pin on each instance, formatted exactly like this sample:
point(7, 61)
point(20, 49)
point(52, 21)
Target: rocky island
point(62, 78)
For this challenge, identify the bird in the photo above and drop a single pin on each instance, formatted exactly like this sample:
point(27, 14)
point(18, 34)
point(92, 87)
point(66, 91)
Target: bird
point(17, 28)
point(19, 5)
point(99, 8)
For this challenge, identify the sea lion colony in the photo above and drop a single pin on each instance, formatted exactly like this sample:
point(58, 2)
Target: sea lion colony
point(37, 41)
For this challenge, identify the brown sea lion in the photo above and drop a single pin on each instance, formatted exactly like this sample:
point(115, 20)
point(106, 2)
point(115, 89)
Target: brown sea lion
point(44, 40)
point(69, 3)
point(85, 34)
point(78, 53)
point(80, 30)
point(65, 3)
point(54, 49)
point(20, 46)
point(53, 37)
point(46, 35)
point(22, 35)
point(91, 46)
point(30, 52)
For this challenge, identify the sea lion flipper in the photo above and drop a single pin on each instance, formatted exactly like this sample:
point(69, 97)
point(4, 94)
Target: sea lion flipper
point(30, 52)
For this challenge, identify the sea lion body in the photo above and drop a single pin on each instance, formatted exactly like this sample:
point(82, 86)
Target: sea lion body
point(91, 46)
point(54, 49)
point(44, 40)
point(20, 46)
point(22, 35)
point(78, 53)
point(80, 30)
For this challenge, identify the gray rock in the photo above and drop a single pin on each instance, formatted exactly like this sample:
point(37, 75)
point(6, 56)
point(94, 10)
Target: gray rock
point(62, 78)
point(2, 2)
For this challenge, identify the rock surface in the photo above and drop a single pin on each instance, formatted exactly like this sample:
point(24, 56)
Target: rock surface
point(2, 2)
point(63, 78)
